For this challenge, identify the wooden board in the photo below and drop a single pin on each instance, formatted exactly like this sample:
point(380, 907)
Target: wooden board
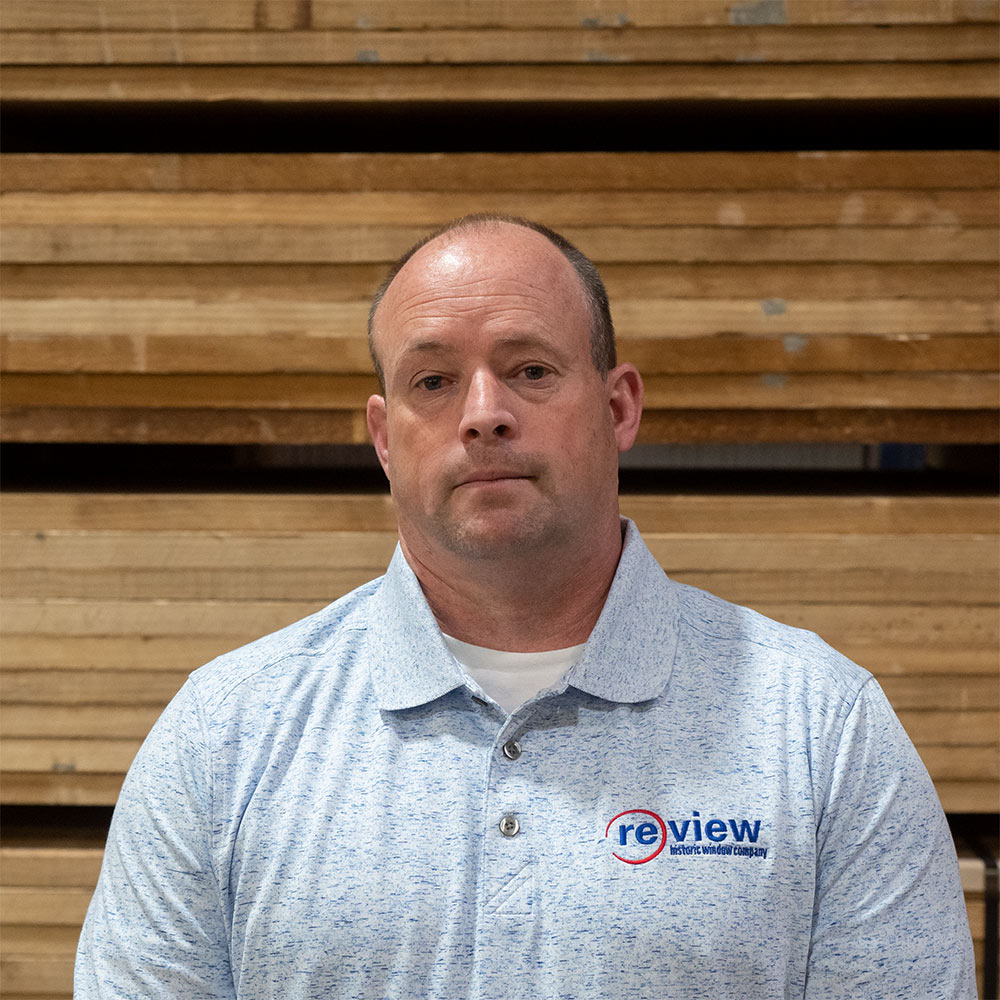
point(323, 427)
point(675, 44)
point(188, 15)
point(903, 390)
point(590, 83)
point(752, 209)
point(294, 283)
point(661, 352)
point(496, 172)
point(325, 243)
point(295, 513)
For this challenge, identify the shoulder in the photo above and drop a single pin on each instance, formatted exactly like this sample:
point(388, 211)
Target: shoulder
point(321, 642)
point(729, 638)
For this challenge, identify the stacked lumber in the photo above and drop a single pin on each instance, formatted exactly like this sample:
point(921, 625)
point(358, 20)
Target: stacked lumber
point(765, 297)
point(111, 600)
point(974, 878)
point(547, 50)
point(47, 882)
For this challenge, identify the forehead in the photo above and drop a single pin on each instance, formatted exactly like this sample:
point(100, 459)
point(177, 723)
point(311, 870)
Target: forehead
point(503, 278)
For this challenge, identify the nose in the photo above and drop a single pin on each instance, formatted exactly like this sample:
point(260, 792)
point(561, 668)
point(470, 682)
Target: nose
point(486, 413)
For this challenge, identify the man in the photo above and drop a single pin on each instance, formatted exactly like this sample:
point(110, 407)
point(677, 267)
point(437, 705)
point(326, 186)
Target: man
point(523, 763)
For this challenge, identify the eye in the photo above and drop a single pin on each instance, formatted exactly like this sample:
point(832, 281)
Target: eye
point(431, 382)
point(535, 372)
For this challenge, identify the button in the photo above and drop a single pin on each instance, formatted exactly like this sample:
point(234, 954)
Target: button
point(509, 826)
point(512, 750)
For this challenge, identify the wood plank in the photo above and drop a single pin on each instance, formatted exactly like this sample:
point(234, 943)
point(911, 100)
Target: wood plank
point(293, 283)
point(272, 426)
point(871, 426)
point(947, 693)
point(188, 15)
point(239, 620)
point(968, 796)
point(31, 976)
point(88, 721)
point(32, 905)
point(684, 44)
point(243, 426)
point(212, 352)
point(90, 687)
point(956, 391)
point(119, 15)
point(641, 13)
point(29, 695)
point(904, 660)
point(311, 391)
point(962, 763)
point(129, 653)
point(59, 788)
point(321, 243)
point(53, 717)
point(181, 552)
point(48, 867)
point(498, 172)
point(856, 207)
point(587, 83)
point(107, 756)
point(165, 653)
point(294, 513)
point(933, 627)
point(936, 728)
point(40, 939)
point(172, 552)
point(640, 319)
point(326, 584)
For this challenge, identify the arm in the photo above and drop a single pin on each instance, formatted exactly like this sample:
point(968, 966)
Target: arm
point(889, 918)
point(156, 926)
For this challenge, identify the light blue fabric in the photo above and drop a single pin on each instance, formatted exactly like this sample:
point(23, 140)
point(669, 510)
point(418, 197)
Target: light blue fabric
point(317, 815)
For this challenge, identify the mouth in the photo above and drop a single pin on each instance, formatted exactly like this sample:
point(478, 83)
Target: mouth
point(488, 478)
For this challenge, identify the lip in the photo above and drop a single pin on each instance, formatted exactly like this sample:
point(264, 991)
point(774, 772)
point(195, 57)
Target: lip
point(485, 478)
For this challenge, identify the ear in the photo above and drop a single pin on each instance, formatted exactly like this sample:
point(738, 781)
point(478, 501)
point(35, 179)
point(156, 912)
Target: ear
point(625, 391)
point(375, 415)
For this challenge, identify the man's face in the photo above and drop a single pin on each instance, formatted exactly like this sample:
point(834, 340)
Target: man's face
point(497, 433)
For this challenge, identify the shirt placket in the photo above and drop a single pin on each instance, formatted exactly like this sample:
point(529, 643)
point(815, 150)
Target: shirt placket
point(507, 899)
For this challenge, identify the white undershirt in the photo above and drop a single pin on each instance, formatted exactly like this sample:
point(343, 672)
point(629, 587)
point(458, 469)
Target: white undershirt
point(510, 679)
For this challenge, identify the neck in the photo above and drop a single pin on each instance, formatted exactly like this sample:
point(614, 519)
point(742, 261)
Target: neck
point(524, 603)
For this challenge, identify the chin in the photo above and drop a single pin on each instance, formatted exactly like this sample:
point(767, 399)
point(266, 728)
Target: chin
point(498, 535)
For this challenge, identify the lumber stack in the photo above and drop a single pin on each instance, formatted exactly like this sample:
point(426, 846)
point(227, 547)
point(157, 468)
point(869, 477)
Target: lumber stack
point(211, 298)
point(765, 297)
point(496, 51)
point(112, 599)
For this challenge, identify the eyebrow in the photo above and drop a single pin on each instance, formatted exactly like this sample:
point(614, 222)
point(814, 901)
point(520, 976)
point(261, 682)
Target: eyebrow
point(426, 347)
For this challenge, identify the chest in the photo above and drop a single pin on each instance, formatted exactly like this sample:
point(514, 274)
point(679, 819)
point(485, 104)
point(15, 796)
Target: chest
point(595, 845)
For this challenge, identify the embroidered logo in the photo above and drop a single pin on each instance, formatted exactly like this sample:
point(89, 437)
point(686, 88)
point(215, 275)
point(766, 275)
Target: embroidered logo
point(639, 835)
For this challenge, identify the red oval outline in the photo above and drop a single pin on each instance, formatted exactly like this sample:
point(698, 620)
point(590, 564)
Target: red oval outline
point(663, 835)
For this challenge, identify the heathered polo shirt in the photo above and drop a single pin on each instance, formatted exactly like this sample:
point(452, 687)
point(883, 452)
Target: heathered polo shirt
point(709, 805)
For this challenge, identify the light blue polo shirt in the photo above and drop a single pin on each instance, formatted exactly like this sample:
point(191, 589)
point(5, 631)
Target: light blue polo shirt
point(710, 805)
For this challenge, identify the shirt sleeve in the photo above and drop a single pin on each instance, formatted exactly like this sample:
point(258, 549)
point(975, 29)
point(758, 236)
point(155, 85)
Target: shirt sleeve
point(889, 919)
point(156, 926)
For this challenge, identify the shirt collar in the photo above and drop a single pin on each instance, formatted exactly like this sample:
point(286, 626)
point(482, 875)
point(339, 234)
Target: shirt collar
point(627, 658)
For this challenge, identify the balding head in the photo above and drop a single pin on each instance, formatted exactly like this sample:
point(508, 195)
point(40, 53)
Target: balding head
point(602, 334)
